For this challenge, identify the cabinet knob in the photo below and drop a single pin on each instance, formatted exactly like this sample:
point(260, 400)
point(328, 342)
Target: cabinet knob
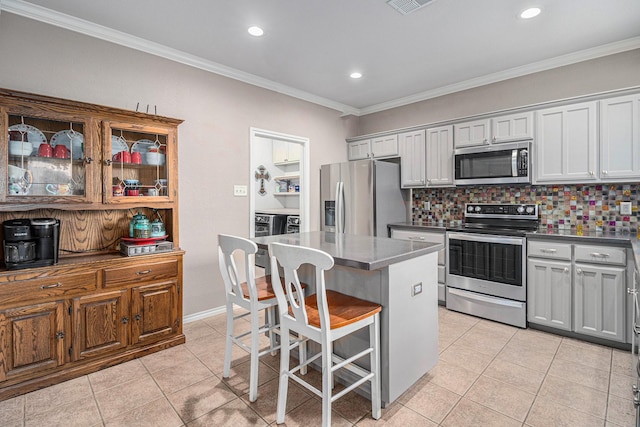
point(137, 317)
point(566, 270)
point(592, 173)
point(578, 271)
point(494, 139)
point(125, 320)
point(604, 172)
point(107, 162)
point(485, 141)
point(88, 160)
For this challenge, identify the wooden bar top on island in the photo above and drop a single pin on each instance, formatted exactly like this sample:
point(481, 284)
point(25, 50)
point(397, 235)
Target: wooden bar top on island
point(350, 250)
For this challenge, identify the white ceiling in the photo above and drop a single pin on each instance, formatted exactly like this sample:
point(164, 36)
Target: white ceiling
point(311, 46)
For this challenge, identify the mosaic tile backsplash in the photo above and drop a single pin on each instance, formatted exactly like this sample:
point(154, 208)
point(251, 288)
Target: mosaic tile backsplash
point(580, 208)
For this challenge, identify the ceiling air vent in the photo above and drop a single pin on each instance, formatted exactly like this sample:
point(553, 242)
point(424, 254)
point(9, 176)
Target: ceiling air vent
point(405, 7)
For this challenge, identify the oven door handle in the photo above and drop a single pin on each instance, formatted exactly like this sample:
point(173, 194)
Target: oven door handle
point(519, 241)
point(482, 298)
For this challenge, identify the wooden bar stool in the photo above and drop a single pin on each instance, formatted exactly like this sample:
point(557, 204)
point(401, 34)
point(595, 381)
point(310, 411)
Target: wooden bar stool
point(324, 318)
point(254, 295)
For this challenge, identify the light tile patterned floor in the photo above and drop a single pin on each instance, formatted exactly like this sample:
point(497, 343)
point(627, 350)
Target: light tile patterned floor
point(489, 374)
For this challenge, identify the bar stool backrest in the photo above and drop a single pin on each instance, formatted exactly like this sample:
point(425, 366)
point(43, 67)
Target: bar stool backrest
point(291, 257)
point(227, 245)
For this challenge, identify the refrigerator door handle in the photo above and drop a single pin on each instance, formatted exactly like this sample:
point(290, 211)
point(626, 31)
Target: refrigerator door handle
point(340, 212)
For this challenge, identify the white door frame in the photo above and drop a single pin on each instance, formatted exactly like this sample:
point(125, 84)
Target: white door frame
point(304, 175)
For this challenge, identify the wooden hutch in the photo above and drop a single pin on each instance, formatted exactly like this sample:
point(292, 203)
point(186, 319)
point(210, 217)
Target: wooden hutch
point(96, 307)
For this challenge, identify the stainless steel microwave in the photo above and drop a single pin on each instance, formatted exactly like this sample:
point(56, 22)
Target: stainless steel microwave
point(493, 164)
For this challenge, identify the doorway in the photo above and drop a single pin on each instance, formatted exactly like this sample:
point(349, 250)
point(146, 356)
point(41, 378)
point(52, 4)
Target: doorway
point(278, 176)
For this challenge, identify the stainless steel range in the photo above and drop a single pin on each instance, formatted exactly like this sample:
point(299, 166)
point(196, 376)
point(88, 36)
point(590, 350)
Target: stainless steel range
point(487, 262)
point(267, 225)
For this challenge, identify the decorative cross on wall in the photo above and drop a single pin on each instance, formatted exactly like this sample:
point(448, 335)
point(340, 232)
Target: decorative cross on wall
point(261, 175)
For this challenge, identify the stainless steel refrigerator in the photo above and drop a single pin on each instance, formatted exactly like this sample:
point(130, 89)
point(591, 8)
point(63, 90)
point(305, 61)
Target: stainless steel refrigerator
point(361, 197)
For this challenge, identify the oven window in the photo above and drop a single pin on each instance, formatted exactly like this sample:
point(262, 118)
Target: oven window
point(495, 262)
point(495, 164)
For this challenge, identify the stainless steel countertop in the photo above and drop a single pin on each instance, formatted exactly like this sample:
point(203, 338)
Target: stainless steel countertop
point(590, 238)
point(361, 252)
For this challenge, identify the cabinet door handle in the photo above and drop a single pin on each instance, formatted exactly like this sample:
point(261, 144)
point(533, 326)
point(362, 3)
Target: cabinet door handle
point(416, 238)
point(51, 286)
point(551, 251)
point(140, 273)
point(494, 139)
point(599, 254)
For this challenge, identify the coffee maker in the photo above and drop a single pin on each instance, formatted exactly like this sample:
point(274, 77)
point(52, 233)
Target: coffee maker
point(30, 243)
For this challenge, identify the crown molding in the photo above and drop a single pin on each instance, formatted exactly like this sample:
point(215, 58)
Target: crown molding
point(48, 16)
point(547, 64)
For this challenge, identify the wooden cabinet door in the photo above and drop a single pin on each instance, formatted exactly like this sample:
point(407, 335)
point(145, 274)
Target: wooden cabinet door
point(154, 311)
point(566, 144)
point(599, 301)
point(385, 146)
point(512, 127)
point(32, 339)
point(472, 133)
point(359, 149)
point(412, 159)
point(100, 323)
point(439, 168)
point(549, 293)
point(620, 138)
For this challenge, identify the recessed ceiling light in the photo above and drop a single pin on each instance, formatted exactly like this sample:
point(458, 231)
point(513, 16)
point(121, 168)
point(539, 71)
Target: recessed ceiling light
point(355, 75)
point(532, 12)
point(255, 31)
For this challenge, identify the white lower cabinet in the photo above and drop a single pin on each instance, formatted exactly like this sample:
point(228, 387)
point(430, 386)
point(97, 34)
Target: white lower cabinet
point(549, 293)
point(599, 301)
point(578, 288)
point(431, 237)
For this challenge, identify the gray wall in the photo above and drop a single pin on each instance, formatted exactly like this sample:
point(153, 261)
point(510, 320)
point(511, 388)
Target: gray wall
point(213, 140)
point(598, 75)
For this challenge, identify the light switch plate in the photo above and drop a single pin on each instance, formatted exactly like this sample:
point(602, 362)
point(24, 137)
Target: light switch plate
point(239, 190)
point(625, 208)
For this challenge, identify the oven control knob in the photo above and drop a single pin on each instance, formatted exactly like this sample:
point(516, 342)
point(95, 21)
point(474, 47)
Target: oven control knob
point(520, 209)
point(530, 209)
point(478, 208)
point(470, 208)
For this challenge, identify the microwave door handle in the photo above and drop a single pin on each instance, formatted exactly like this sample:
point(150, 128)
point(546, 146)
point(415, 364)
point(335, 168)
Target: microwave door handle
point(514, 162)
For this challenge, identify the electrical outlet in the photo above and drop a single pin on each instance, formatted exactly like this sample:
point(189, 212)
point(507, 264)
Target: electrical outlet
point(625, 208)
point(239, 190)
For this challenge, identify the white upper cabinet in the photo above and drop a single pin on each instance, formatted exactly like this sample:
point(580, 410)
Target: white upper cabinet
point(286, 152)
point(358, 150)
point(412, 159)
point(513, 127)
point(384, 146)
point(566, 144)
point(468, 134)
point(620, 138)
point(439, 170)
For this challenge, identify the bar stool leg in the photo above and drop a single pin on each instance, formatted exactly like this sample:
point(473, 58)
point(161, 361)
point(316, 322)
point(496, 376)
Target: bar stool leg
point(302, 354)
point(283, 387)
point(271, 321)
point(327, 382)
point(253, 375)
point(374, 340)
point(228, 342)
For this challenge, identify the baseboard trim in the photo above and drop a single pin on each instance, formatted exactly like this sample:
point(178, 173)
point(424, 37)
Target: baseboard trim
point(204, 314)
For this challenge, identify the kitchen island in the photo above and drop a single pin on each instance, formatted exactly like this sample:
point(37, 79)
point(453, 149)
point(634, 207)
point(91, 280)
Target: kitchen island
point(399, 275)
